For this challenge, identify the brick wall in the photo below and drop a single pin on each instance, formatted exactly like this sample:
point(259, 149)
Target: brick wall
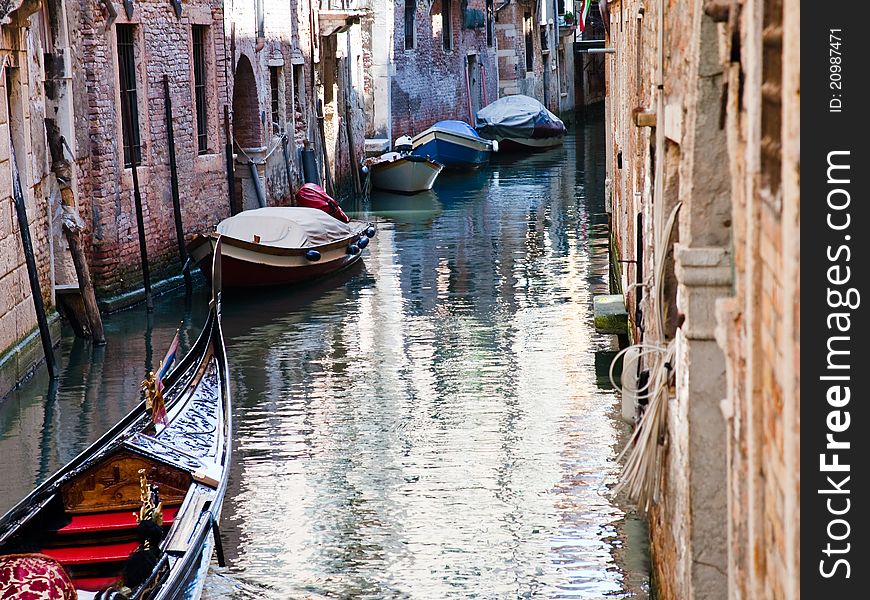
point(429, 82)
point(163, 46)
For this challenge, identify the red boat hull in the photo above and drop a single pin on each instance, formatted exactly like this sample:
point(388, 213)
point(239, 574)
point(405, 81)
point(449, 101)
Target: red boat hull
point(237, 273)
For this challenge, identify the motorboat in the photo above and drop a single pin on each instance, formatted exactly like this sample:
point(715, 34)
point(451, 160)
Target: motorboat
point(402, 171)
point(454, 144)
point(282, 245)
point(520, 123)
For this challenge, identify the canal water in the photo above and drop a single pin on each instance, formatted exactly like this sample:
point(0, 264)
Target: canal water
point(434, 423)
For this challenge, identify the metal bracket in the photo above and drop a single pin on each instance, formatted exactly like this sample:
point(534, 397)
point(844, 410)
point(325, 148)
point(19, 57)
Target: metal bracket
point(176, 4)
point(128, 8)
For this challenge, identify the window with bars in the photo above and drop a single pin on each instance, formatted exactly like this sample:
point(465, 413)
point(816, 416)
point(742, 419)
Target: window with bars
point(129, 98)
point(275, 85)
point(200, 36)
point(410, 24)
point(446, 24)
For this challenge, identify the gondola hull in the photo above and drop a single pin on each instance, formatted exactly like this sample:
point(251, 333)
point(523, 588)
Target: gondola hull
point(82, 517)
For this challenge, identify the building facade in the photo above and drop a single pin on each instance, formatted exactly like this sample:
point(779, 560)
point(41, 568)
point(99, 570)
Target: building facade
point(703, 104)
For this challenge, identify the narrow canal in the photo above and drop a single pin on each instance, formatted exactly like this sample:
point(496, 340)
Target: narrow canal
point(436, 423)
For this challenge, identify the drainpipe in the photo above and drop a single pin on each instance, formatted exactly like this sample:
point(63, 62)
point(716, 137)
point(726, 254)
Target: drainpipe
point(261, 28)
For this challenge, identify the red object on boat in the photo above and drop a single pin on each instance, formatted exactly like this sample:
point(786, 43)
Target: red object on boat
point(34, 577)
point(314, 196)
point(110, 521)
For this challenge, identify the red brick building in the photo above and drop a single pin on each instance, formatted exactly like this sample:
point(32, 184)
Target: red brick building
point(445, 65)
point(116, 57)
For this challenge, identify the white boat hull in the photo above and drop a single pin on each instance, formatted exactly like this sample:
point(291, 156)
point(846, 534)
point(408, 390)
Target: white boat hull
point(405, 175)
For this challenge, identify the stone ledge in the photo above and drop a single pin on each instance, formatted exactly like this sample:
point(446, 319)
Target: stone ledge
point(18, 362)
point(137, 296)
point(702, 267)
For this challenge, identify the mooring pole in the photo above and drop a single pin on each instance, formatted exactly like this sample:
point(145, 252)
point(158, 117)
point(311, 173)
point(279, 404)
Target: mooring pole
point(137, 198)
point(173, 177)
point(231, 177)
point(32, 273)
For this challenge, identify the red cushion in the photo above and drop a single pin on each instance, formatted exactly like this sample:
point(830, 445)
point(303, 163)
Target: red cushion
point(83, 555)
point(34, 577)
point(113, 521)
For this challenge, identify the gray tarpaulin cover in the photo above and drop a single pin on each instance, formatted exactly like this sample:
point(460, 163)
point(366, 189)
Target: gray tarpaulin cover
point(515, 116)
point(286, 227)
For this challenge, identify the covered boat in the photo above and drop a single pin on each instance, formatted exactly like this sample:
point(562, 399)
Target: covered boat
point(401, 171)
point(520, 123)
point(454, 144)
point(280, 245)
point(135, 515)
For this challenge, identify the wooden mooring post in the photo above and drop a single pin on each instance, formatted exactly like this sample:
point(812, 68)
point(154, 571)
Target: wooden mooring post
point(32, 273)
point(173, 178)
point(137, 198)
point(231, 175)
point(72, 227)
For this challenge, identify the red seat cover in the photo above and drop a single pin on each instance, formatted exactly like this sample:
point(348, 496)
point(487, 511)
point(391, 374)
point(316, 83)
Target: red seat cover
point(314, 196)
point(83, 555)
point(111, 521)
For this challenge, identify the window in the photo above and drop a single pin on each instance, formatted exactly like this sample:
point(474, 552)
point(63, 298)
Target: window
point(560, 7)
point(275, 85)
point(446, 25)
point(199, 44)
point(410, 18)
point(771, 97)
point(129, 99)
point(530, 50)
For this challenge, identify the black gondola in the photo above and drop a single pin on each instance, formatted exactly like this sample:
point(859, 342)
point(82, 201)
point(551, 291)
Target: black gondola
point(135, 515)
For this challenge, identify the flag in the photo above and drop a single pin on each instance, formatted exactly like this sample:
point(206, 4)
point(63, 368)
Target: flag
point(584, 12)
point(158, 408)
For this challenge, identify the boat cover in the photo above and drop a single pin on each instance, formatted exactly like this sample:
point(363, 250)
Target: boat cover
point(460, 127)
point(286, 227)
point(314, 196)
point(516, 117)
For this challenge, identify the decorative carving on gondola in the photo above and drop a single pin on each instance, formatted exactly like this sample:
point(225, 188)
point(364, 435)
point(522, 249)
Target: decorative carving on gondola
point(152, 507)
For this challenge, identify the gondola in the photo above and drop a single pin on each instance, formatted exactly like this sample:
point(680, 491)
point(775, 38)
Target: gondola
point(135, 515)
point(282, 245)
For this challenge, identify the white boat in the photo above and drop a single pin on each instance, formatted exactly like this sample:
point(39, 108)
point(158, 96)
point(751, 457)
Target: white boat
point(407, 173)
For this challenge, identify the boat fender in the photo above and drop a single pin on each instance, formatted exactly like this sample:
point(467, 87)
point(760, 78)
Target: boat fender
point(353, 249)
point(494, 145)
point(365, 169)
point(312, 255)
point(362, 242)
point(371, 231)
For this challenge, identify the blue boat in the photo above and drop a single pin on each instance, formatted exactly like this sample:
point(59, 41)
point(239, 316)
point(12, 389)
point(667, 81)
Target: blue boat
point(454, 144)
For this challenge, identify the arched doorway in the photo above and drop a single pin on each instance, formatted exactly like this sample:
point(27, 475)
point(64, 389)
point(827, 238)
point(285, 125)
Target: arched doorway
point(247, 128)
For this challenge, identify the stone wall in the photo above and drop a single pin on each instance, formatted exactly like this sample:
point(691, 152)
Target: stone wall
point(22, 44)
point(683, 102)
point(759, 325)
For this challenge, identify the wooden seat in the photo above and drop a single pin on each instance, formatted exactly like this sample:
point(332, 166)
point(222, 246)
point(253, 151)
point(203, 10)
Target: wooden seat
point(85, 555)
point(109, 522)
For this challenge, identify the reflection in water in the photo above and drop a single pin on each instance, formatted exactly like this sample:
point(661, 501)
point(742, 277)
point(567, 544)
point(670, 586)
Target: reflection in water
point(428, 424)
